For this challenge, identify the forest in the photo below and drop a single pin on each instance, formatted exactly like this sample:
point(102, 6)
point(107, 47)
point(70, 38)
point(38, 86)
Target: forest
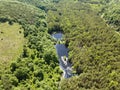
point(28, 58)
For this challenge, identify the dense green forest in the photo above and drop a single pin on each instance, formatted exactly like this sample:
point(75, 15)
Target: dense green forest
point(36, 68)
point(94, 45)
point(91, 32)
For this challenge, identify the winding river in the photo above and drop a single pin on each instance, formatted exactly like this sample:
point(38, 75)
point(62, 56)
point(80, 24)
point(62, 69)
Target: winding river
point(62, 52)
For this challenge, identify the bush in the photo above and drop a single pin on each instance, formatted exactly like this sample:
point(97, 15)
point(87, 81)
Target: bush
point(21, 73)
point(39, 74)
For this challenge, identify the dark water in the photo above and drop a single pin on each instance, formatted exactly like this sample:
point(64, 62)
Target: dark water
point(62, 52)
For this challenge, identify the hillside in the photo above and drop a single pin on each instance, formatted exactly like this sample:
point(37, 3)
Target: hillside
point(19, 12)
point(10, 48)
point(91, 33)
point(9, 40)
point(36, 65)
point(111, 13)
point(93, 46)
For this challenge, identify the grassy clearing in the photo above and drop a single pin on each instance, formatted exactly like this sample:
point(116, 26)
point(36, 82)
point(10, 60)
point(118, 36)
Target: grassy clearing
point(11, 42)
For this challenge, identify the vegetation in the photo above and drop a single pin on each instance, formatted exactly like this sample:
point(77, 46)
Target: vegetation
point(10, 48)
point(91, 29)
point(36, 68)
point(93, 46)
point(111, 13)
point(14, 11)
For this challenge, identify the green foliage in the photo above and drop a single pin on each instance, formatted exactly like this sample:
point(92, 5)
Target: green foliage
point(111, 13)
point(34, 69)
point(94, 48)
point(14, 11)
point(6, 82)
point(21, 73)
point(42, 4)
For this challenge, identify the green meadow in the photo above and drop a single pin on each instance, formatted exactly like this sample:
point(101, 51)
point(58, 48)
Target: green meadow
point(11, 42)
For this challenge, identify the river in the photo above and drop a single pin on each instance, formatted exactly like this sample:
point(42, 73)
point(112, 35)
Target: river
point(62, 52)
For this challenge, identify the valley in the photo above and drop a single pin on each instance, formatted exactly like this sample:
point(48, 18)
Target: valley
point(59, 45)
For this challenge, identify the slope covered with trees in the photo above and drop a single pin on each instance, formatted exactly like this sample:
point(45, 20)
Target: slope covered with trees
point(111, 13)
point(94, 47)
point(91, 34)
point(37, 66)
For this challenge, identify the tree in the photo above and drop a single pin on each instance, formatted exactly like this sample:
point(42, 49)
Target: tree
point(21, 73)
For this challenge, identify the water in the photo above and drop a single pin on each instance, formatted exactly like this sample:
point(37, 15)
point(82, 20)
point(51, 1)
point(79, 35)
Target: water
point(62, 52)
point(57, 36)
